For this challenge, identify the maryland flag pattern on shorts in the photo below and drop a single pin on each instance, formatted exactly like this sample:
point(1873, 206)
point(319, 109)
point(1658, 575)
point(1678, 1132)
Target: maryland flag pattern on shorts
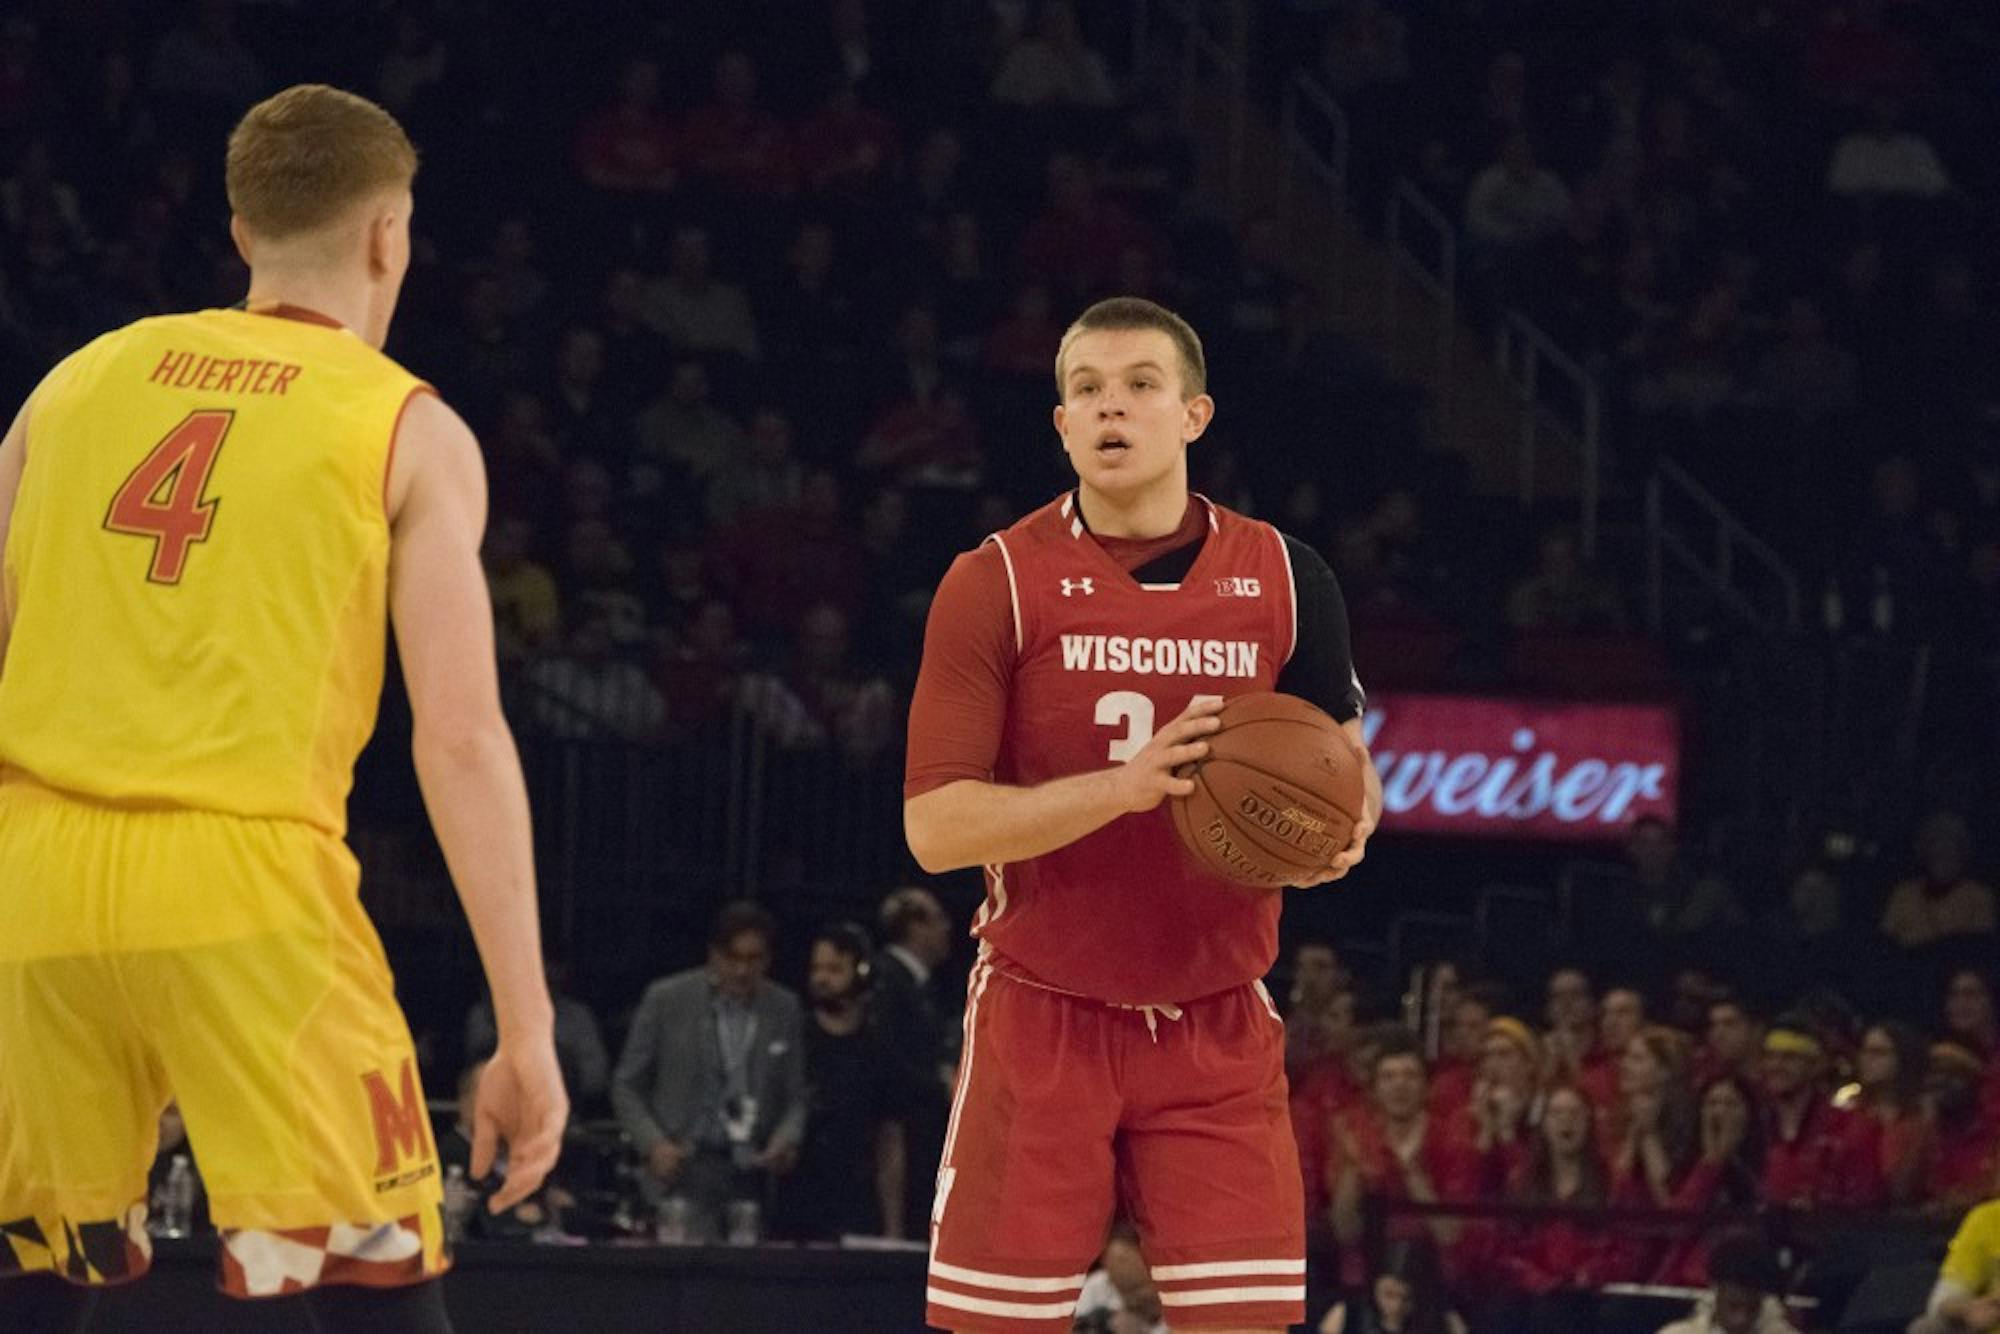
point(267, 1263)
point(96, 1253)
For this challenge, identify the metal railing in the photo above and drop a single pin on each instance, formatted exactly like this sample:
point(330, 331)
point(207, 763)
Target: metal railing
point(1438, 282)
point(1202, 51)
point(1739, 568)
point(636, 831)
point(1557, 396)
point(1308, 117)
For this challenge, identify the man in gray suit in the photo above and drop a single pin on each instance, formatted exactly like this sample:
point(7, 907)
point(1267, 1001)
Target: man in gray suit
point(711, 1085)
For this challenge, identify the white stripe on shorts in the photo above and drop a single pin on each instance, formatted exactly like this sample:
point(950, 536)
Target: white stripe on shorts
point(1219, 1268)
point(1019, 1310)
point(1229, 1296)
point(1006, 1282)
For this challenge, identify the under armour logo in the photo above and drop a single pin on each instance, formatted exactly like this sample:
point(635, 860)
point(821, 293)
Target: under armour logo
point(1070, 586)
point(1237, 586)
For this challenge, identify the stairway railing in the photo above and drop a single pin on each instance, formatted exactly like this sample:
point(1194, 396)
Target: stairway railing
point(1738, 567)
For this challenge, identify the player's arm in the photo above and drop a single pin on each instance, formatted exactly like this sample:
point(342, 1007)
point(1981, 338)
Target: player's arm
point(13, 460)
point(1321, 670)
point(471, 777)
point(954, 815)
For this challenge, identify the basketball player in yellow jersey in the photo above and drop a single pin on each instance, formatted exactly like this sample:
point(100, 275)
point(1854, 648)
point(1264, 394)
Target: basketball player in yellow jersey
point(207, 521)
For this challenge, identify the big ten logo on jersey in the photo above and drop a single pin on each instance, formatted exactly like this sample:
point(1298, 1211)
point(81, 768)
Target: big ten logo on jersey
point(1238, 586)
point(403, 1152)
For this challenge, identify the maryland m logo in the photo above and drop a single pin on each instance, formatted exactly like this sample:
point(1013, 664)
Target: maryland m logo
point(402, 1123)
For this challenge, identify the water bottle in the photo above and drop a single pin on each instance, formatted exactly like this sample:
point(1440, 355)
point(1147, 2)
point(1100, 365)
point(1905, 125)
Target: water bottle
point(675, 1225)
point(1832, 607)
point(459, 1199)
point(1882, 607)
point(177, 1198)
point(745, 1227)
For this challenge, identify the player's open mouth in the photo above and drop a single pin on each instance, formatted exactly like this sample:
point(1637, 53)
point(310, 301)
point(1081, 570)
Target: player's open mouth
point(1112, 444)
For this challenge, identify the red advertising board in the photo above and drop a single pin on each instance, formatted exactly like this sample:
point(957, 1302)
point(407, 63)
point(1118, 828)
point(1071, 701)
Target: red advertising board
point(1487, 767)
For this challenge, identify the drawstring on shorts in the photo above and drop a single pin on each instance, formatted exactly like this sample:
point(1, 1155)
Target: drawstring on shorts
point(1152, 1013)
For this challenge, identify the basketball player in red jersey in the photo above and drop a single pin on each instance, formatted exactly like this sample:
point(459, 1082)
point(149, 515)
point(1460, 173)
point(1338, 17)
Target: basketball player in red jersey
point(1120, 1048)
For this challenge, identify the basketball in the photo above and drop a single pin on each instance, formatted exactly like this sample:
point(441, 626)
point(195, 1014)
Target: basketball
point(1277, 797)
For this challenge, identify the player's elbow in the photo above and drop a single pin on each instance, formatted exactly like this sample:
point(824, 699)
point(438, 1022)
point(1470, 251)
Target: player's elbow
point(928, 831)
point(459, 742)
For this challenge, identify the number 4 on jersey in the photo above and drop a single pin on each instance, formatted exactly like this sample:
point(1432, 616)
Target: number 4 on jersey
point(162, 499)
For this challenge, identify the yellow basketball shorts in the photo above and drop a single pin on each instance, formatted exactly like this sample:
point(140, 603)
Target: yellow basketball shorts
point(227, 963)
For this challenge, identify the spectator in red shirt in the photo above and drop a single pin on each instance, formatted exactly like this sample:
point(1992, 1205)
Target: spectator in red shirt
point(1319, 1021)
point(1727, 1175)
point(1620, 1017)
point(1319, 1043)
point(1552, 1265)
point(697, 670)
point(1077, 241)
point(1815, 1153)
point(1649, 1133)
point(628, 147)
point(1506, 1102)
point(1968, 1013)
point(1023, 342)
point(1891, 1065)
point(1457, 1068)
point(735, 144)
point(822, 697)
point(1572, 1018)
point(846, 149)
point(1969, 1019)
point(779, 563)
point(1965, 1141)
point(1392, 1149)
point(1734, 1044)
point(1324, 1092)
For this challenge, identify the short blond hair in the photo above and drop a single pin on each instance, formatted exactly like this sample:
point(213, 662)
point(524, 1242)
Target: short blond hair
point(1135, 312)
point(301, 158)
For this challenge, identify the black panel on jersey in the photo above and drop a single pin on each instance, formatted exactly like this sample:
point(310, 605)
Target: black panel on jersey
point(1321, 668)
point(1172, 567)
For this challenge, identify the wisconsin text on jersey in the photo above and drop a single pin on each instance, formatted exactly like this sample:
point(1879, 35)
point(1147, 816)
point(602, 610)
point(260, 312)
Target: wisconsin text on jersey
point(1159, 657)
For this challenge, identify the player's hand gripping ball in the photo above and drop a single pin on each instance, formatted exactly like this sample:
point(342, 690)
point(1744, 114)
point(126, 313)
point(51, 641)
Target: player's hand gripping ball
point(1277, 797)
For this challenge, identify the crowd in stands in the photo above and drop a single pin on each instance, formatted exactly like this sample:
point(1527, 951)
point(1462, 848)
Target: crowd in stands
point(1594, 1097)
point(753, 307)
point(1690, 1113)
point(754, 315)
point(1764, 226)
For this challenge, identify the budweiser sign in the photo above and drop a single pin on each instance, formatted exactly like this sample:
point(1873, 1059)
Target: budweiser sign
point(1522, 768)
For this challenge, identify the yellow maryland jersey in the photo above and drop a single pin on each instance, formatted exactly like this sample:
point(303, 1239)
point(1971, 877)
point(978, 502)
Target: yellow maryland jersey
point(197, 571)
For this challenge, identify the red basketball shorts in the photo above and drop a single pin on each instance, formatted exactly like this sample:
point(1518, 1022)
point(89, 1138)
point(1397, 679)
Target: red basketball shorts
point(1069, 1110)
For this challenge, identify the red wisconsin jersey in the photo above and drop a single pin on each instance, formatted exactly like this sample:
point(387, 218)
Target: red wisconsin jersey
point(1124, 914)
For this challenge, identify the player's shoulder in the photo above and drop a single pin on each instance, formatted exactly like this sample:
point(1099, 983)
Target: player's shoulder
point(1042, 524)
point(993, 559)
point(106, 345)
point(1235, 523)
point(1983, 1222)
